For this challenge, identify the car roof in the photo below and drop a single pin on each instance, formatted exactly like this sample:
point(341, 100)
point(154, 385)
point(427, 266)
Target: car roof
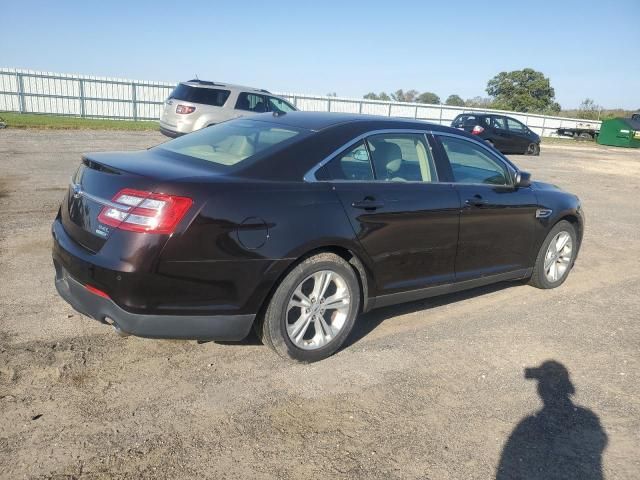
point(317, 121)
point(480, 114)
point(229, 86)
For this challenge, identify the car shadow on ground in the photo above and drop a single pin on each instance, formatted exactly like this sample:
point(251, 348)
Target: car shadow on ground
point(368, 322)
point(371, 320)
point(560, 441)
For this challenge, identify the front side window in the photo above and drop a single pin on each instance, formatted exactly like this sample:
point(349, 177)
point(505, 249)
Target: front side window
point(279, 105)
point(401, 157)
point(251, 102)
point(229, 143)
point(515, 126)
point(471, 163)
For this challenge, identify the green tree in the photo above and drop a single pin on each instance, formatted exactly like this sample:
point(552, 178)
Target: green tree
point(455, 100)
point(410, 95)
point(402, 96)
point(523, 91)
point(478, 102)
point(377, 96)
point(589, 110)
point(428, 97)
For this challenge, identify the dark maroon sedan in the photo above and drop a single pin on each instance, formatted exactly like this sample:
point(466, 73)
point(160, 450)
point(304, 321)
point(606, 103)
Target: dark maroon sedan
point(296, 223)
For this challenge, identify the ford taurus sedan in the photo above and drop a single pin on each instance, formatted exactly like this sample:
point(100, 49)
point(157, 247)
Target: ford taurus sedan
point(296, 223)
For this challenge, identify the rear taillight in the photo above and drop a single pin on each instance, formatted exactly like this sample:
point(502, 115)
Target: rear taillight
point(184, 109)
point(477, 130)
point(148, 212)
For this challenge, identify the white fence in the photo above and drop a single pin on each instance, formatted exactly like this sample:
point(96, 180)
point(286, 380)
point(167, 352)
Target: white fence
point(28, 91)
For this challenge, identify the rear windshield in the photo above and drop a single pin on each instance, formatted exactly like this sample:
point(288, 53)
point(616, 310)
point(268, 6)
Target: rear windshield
point(466, 121)
point(208, 96)
point(229, 143)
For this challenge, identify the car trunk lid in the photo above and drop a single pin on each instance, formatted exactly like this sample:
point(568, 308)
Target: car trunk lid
point(100, 178)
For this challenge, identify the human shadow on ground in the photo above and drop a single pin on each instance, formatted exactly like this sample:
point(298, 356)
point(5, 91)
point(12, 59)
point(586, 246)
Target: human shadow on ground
point(560, 441)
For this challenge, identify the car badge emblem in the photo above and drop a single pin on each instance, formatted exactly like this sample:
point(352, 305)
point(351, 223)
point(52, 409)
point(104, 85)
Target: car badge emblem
point(77, 191)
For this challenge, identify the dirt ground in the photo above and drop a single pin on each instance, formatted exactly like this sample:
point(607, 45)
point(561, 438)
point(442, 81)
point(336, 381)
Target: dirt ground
point(431, 390)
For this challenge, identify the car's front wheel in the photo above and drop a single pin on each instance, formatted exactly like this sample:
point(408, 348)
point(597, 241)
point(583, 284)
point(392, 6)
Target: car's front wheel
point(313, 309)
point(556, 256)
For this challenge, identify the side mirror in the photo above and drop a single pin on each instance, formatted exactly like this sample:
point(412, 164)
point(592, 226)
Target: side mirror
point(522, 179)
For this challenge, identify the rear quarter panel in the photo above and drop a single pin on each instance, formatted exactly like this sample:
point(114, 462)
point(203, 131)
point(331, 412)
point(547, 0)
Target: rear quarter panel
point(246, 235)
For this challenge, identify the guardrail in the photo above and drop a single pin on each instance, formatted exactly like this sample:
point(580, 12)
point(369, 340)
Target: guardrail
point(28, 91)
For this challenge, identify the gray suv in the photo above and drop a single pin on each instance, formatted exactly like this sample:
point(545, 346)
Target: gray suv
point(198, 104)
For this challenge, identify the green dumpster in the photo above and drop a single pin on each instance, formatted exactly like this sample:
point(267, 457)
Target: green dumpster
point(620, 132)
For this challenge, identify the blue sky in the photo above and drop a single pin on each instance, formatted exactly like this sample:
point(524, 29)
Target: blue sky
point(587, 48)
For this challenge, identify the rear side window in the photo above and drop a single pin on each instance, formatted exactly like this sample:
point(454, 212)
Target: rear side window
point(207, 96)
point(394, 157)
point(251, 102)
point(229, 143)
point(353, 164)
point(403, 157)
point(471, 163)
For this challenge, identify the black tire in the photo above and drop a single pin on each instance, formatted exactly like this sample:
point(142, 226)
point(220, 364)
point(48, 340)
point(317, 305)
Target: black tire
point(532, 149)
point(538, 277)
point(272, 328)
point(585, 136)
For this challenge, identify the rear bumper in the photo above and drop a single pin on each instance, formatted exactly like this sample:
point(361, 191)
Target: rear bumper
point(193, 327)
point(170, 133)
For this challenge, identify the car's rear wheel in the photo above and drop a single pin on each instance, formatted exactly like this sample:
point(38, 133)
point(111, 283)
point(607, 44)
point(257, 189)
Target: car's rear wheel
point(556, 256)
point(313, 309)
point(532, 149)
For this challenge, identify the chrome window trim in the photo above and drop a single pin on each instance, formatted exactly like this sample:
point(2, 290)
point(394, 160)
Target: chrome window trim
point(310, 176)
point(78, 192)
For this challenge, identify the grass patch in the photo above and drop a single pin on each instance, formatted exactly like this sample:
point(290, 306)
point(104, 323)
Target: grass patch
point(566, 141)
point(30, 120)
point(569, 142)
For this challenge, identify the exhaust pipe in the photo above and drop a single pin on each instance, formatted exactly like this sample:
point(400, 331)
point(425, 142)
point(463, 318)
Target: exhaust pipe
point(116, 328)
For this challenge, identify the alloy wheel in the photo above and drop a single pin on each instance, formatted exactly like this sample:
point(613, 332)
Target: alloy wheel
point(558, 257)
point(317, 310)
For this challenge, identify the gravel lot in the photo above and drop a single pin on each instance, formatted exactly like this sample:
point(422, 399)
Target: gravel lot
point(431, 390)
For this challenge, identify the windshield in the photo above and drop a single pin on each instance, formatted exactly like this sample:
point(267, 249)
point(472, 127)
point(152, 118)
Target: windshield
point(230, 143)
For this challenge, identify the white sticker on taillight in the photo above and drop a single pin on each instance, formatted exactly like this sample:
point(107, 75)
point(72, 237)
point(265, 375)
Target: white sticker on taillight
point(115, 214)
point(150, 222)
point(152, 204)
point(129, 200)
